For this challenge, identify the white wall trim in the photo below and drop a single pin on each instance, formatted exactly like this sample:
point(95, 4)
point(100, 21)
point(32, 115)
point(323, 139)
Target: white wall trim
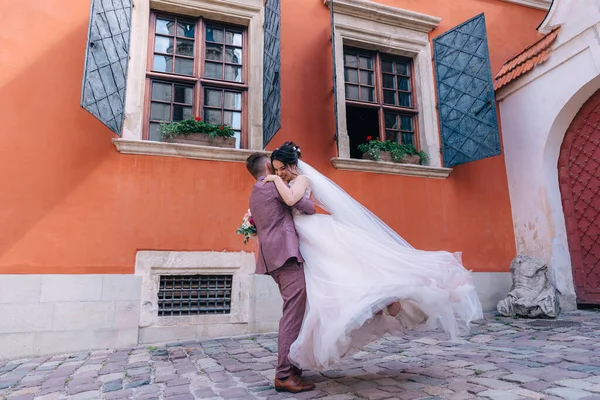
point(165, 149)
point(248, 13)
point(368, 25)
point(539, 4)
point(369, 10)
point(390, 168)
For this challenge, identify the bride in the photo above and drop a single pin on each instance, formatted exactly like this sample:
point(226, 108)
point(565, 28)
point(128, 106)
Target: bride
point(362, 279)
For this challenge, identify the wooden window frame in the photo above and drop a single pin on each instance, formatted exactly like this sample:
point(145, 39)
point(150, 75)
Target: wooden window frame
point(379, 104)
point(198, 81)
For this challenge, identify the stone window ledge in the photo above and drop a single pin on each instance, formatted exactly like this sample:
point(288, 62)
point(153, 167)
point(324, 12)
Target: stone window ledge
point(149, 148)
point(381, 167)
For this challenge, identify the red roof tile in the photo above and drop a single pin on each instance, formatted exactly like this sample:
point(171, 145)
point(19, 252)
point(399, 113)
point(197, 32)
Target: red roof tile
point(525, 61)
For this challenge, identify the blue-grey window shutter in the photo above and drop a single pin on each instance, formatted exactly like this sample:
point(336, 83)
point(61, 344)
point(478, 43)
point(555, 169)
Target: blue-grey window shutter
point(466, 102)
point(271, 68)
point(107, 54)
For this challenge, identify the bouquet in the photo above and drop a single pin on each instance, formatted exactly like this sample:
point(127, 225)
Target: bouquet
point(247, 228)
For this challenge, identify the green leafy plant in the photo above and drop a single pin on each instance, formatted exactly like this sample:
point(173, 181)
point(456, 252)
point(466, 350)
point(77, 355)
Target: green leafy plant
point(398, 151)
point(194, 125)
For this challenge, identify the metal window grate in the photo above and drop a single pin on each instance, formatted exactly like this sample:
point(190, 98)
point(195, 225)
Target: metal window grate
point(194, 295)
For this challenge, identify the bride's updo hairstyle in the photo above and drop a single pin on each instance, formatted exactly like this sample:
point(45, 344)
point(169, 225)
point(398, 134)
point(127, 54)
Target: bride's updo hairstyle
point(288, 153)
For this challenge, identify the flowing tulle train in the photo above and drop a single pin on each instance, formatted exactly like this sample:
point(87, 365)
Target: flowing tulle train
point(355, 266)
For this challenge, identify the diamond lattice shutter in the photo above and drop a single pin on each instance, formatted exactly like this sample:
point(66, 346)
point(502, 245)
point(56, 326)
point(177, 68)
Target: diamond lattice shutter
point(271, 68)
point(466, 102)
point(107, 54)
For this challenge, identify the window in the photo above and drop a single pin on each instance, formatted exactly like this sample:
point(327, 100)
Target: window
point(194, 295)
point(379, 98)
point(196, 68)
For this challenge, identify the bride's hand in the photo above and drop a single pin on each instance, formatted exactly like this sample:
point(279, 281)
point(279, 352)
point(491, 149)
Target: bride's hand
point(270, 178)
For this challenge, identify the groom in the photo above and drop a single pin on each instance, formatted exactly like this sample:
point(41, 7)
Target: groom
point(279, 257)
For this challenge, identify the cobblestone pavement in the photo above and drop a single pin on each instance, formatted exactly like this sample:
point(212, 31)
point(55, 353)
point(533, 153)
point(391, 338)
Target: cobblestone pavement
point(502, 359)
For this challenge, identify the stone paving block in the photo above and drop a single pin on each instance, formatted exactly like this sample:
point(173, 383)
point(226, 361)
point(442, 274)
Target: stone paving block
point(568, 393)
point(499, 395)
point(373, 394)
point(517, 378)
point(177, 390)
point(580, 384)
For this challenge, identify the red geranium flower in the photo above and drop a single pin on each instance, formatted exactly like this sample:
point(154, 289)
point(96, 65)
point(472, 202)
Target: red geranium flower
point(369, 138)
point(221, 127)
point(198, 119)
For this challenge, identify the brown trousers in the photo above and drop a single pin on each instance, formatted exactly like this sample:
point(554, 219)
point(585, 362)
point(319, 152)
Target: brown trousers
point(292, 286)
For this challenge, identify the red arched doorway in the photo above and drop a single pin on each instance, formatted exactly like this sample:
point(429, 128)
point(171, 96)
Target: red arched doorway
point(579, 179)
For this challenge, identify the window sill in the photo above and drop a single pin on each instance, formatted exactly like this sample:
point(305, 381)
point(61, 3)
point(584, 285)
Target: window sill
point(148, 148)
point(381, 167)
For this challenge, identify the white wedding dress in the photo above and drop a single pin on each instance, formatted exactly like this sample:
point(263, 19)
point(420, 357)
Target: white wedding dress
point(355, 265)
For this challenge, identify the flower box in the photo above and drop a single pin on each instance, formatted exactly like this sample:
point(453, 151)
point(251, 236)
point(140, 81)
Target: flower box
point(386, 156)
point(204, 139)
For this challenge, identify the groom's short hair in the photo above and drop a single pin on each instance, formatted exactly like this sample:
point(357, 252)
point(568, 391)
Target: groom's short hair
point(256, 164)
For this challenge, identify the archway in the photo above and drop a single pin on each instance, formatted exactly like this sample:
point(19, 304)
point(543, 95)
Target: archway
point(579, 181)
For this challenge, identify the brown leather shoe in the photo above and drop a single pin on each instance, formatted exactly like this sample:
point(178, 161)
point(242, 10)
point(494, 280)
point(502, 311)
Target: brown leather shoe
point(293, 384)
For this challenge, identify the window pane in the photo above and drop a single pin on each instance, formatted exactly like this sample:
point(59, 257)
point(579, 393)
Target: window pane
point(212, 116)
point(233, 101)
point(186, 30)
point(213, 98)
point(233, 119)
point(164, 26)
point(214, 35)
point(406, 123)
point(233, 55)
point(391, 121)
point(163, 63)
point(408, 138)
point(163, 45)
point(184, 66)
point(160, 112)
point(181, 113)
point(403, 83)
point(366, 78)
point(389, 97)
point(161, 91)
point(391, 135)
point(214, 52)
point(350, 60)
point(233, 38)
point(185, 47)
point(405, 100)
point(183, 94)
point(238, 139)
point(387, 66)
point(351, 75)
point(367, 94)
point(388, 81)
point(214, 70)
point(352, 92)
point(155, 132)
point(233, 73)
point(402, 68)
point(366, 62)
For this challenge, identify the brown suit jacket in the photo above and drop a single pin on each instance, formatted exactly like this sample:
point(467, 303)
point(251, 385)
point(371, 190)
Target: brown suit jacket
point(277, 237)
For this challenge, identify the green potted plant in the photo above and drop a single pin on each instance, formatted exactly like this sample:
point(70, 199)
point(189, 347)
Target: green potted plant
point(389, 151)
point(196, 131)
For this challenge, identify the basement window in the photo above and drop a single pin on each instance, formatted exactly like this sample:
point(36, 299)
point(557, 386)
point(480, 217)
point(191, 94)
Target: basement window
point(181, 295)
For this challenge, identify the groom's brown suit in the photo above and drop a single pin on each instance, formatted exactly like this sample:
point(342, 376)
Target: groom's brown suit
point(279, 257)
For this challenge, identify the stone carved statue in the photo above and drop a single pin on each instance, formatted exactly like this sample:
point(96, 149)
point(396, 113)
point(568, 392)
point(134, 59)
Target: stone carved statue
point(532, 294)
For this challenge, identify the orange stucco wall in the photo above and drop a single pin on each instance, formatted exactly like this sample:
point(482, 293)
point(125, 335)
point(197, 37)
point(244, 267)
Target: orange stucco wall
point(70, 203)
